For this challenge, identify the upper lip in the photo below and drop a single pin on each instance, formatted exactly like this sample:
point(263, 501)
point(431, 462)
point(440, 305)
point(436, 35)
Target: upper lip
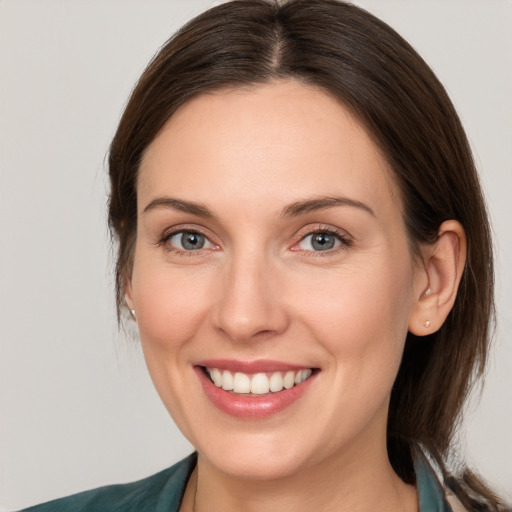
point(250, 367)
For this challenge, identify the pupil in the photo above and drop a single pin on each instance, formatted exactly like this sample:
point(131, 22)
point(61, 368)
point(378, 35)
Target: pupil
point(323, 242)
point(192, 241)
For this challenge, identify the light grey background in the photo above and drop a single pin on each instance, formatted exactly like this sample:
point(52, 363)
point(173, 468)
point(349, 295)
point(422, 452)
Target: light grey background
point(77, 407)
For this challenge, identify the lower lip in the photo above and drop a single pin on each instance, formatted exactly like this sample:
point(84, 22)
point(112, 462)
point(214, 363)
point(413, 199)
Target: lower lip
point(253, 407)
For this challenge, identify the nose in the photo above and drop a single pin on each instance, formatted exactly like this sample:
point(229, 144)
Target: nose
point(250, 304)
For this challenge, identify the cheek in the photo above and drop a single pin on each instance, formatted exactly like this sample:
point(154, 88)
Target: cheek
point(171, 304)
point(361, 315)
point(171, 307)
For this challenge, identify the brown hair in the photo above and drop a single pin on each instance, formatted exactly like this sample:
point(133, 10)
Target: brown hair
point(377, 75)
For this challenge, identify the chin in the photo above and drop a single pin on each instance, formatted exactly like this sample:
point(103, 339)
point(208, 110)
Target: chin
point(254, 464)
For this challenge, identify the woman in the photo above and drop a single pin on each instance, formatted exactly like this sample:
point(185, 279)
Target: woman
point(301, 240)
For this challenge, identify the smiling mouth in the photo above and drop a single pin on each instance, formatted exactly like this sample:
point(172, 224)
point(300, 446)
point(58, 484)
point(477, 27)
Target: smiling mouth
point(246, 384)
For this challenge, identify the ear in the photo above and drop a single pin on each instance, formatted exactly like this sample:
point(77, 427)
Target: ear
point(443, 266)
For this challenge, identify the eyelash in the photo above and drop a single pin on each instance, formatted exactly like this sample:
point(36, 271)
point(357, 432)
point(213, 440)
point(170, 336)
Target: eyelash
point(167, 236)
point(342, 237)
point(345, 241)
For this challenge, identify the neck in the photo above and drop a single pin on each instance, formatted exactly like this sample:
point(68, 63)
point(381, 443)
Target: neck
point(362, 481)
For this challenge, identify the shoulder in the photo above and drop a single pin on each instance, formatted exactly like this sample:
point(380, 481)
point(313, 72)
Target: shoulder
point(159, 492)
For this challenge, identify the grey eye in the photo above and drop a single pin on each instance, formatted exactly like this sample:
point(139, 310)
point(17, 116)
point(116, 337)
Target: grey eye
point(319, 242)
point(189, 241)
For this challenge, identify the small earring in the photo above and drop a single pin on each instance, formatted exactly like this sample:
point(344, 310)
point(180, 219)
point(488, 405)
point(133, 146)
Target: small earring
point(428, 292)
point(132, 312)
point(427, 324)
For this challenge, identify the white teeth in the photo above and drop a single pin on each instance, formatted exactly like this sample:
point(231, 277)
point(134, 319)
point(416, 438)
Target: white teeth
point(216, 377)
point(227, 380)
point(276, 382)
point(259, 383)
point(241, 383)
point(289, 380)
point(302, 375)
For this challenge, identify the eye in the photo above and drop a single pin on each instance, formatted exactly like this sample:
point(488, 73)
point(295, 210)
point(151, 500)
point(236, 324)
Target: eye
point(321, 241)
point(188, 241)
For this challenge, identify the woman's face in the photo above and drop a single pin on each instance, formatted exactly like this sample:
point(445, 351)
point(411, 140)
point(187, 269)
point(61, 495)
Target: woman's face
point(271, 249)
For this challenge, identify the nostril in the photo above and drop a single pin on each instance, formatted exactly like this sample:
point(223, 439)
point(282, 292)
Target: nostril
point(265, 332)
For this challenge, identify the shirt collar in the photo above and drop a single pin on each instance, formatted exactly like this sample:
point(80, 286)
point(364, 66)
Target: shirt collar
point(430, 492)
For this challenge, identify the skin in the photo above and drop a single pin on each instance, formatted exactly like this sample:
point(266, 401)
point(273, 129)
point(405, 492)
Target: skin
point(259, 290)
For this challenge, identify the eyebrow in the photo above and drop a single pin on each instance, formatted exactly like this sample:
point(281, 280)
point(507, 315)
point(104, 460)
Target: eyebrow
point(322, 203)
point(292, 210)
point(181, 205)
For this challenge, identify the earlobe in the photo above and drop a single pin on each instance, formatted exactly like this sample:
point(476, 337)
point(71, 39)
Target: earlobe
point(128, 296)
point(444, 265)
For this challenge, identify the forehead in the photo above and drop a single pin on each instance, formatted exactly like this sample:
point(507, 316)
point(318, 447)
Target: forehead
point(276, 141)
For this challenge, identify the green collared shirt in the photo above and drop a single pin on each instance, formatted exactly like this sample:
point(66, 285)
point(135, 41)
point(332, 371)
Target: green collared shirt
point(164, 491)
